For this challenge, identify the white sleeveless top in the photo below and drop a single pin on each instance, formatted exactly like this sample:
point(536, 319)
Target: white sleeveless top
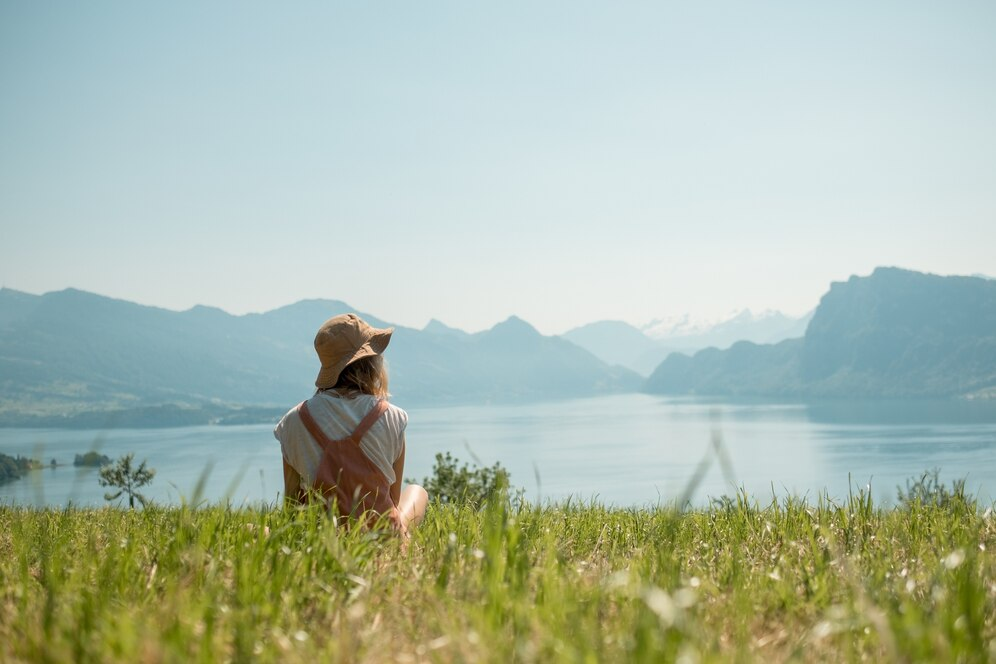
point(338, 417)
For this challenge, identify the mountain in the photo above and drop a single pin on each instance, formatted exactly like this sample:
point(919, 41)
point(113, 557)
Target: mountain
point(510, 362)
point(643, 349)
point(69, 352)
point(765, 327)
point(683, 325)
point(895, 333)
point(81, 349)
point(512, 349)
point(614, 342)
point(903, 332)
point(438, 327)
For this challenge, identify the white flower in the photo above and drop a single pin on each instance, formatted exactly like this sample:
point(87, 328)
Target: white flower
point(954, 559)
point(660, 602)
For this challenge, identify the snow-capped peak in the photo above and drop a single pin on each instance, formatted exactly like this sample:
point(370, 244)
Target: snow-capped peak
point(687, 325)
point(680, 326)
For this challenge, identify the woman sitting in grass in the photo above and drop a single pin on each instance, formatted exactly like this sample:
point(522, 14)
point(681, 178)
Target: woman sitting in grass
point(346, 444)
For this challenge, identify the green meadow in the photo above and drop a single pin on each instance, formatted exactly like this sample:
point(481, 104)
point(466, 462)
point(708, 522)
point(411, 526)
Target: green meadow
point(737, 581)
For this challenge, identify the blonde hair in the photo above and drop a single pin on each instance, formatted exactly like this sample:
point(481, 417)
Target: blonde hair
point(367, 375)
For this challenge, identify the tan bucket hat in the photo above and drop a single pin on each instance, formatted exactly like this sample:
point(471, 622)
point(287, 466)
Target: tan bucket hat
point(344, 339)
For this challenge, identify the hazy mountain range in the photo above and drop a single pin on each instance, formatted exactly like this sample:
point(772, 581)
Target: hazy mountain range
point(72, 351)
point(73, 358)
point(643, 349)
point(896, 333)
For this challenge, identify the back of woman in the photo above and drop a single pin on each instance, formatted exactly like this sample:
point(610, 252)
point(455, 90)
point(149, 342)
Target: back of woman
point(346, 444)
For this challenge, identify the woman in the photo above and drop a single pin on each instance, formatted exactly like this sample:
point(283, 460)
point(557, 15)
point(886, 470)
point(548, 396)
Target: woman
point(347, 443)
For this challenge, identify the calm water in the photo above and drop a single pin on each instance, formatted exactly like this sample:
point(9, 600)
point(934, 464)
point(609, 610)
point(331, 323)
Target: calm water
point(624, 450)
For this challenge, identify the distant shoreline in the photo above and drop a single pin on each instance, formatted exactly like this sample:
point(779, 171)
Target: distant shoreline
point(173, 416)
point(166, 416)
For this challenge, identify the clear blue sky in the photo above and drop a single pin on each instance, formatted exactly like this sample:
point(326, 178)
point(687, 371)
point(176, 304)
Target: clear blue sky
point(562, 161)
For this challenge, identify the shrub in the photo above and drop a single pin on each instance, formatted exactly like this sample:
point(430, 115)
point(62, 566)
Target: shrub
point(454, 483)
point(930, 491)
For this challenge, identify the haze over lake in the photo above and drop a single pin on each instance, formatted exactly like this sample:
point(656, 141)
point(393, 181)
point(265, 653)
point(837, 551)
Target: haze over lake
point(626, 450)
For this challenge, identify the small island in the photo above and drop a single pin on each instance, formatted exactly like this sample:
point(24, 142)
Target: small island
point(14, 467)
point(91, 460)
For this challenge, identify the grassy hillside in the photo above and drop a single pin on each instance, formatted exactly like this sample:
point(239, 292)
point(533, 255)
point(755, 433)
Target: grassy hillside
point(564, 583)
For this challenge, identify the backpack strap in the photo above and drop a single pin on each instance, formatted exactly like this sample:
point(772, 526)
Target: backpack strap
point(322, 438)
point(369, 420)
point(312, 426)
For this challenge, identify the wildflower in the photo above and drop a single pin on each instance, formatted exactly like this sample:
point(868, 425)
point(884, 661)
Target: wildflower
point(954, 559)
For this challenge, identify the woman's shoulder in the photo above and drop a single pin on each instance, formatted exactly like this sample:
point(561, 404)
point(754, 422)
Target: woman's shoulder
point(362, 404)
point(397, 416)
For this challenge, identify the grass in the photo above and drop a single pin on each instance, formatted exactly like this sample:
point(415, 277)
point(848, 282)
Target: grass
point(557, 583)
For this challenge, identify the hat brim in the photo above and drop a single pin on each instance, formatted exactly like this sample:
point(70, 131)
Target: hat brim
point(328, 376)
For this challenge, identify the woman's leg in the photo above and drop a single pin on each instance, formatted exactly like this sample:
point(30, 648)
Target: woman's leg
point(414, 500)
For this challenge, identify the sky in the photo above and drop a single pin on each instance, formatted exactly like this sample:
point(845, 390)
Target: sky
point(565, 162)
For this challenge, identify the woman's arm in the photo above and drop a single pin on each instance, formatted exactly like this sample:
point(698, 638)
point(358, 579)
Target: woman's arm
point(399, 472)
point(292, 485)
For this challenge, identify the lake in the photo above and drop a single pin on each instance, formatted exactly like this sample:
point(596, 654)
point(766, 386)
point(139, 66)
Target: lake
point(624, 450)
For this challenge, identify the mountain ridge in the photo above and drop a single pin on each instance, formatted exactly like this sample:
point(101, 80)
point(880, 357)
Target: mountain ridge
point(894, 333)
point(617, 342)
point(68, 351)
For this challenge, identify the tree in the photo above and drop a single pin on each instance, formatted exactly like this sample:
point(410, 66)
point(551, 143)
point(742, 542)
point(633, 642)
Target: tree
point(9, 469)
point(129, 480)
point(453, 483)
point(91, 459)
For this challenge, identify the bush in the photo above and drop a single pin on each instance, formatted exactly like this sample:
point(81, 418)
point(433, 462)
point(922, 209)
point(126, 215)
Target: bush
point(453, 483)
point(928, 490)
